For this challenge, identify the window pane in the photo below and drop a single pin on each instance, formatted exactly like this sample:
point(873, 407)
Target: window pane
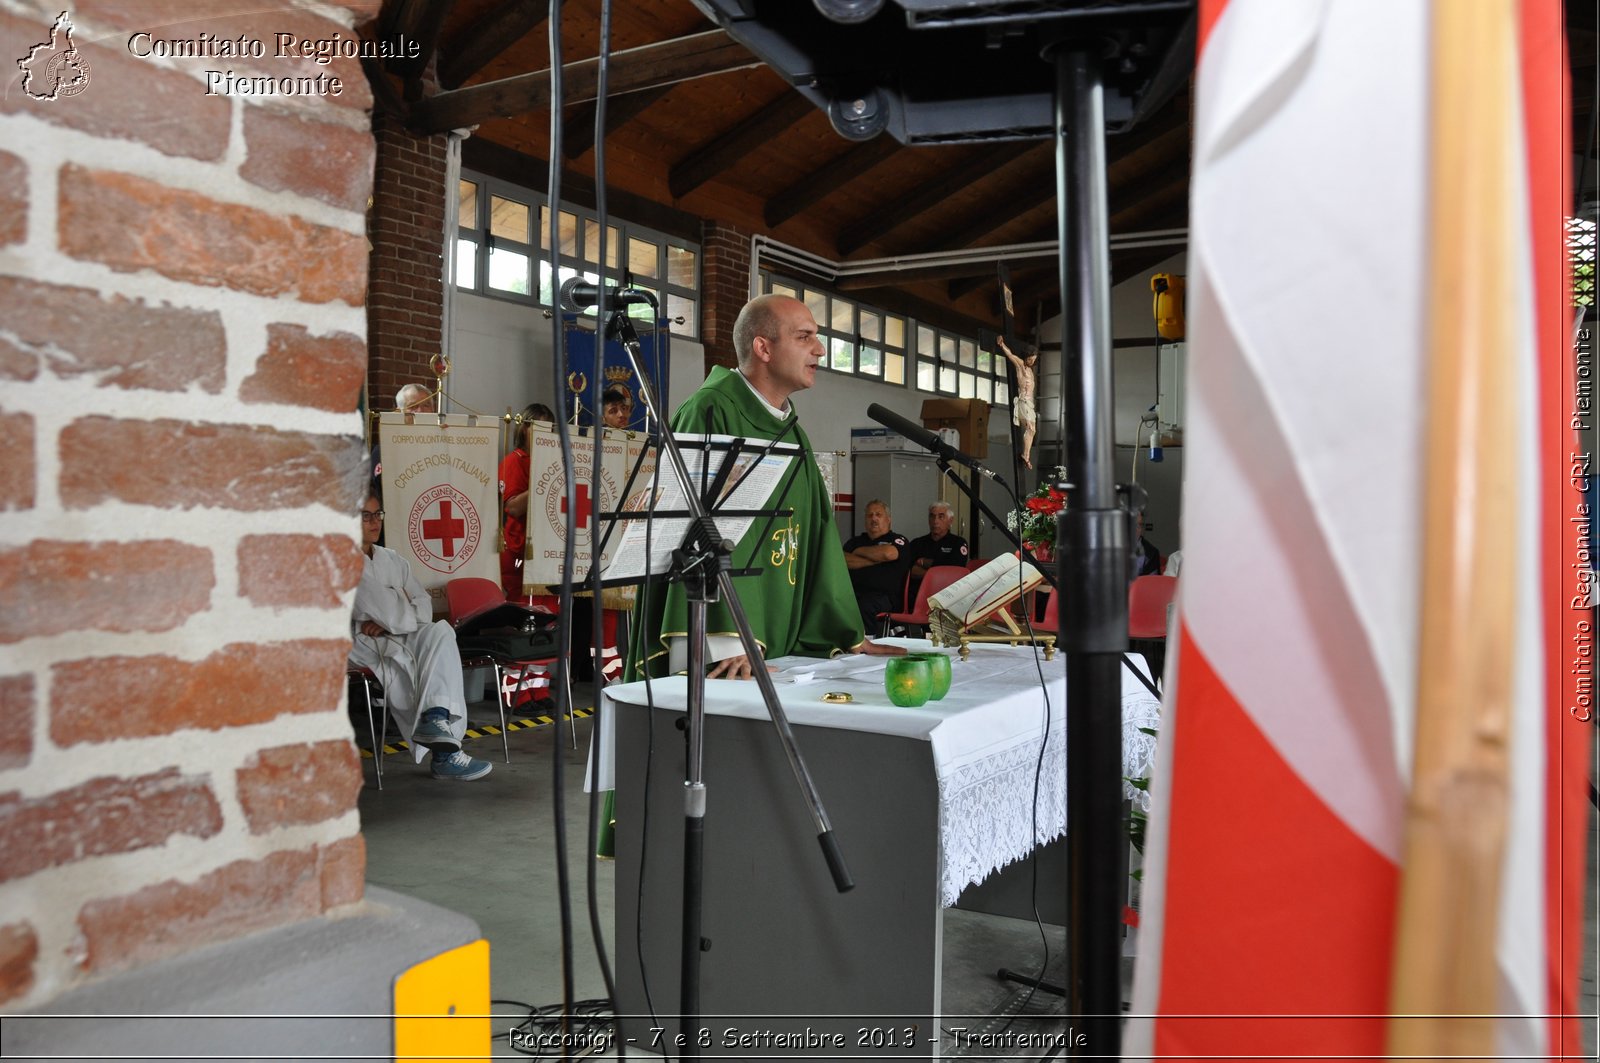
point(871, 361)
point(642, 311)
point(686, 308)
point(894, 368)
point(508, 271)
point(591, 244)
point(969, 351)
point(871, 326)
point(843, 320)
point(925, 344)
point(785, 289)
point(924, 375)
point(841, 355)
point(947, 379)
point(968, 386)
point(985, 388)
point(947, 348)
point(569, 231)
point(896, 335)
point(680, 266)
point(1002, 393)
point(985, 362)
point(467, 211)
point(508, 218)
point(817, 303)
point(643, 258)
point(466, 264)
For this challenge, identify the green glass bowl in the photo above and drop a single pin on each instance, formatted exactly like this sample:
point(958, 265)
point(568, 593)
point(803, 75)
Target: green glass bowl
point(939, 665)
point(908, 680)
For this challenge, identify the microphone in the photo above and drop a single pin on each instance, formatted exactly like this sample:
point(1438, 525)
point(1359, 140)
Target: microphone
point(927, 440)
point(579, 294)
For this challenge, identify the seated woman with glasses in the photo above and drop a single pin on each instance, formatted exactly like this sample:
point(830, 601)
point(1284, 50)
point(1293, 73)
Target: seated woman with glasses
point(413, 655)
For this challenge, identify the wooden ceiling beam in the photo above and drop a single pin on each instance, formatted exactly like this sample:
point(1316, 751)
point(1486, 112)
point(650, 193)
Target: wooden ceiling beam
point(577, 135)
point(472, 49)
point(417, 20)
point(651, 66)
point(884, 220)
point(725, 149)
point(912, 275)
point(827, 179)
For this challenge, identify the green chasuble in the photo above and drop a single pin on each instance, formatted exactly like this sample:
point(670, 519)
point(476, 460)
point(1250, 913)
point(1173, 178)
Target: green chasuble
point(802, 602)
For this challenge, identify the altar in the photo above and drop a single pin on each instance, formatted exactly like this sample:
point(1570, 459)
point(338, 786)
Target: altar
point(924, 803)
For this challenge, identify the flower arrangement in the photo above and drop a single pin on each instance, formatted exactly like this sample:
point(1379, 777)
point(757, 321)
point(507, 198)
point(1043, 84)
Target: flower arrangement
point(1035, 522)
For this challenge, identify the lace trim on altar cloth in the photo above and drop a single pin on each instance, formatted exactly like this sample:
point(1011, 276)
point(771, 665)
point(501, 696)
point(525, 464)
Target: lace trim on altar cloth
point(987, 811)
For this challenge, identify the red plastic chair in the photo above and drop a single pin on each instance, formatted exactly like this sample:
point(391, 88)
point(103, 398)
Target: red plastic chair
point(1051, 623)
point(466, 596)
point(934, 580)
point(470, 598)
point(1148, 598)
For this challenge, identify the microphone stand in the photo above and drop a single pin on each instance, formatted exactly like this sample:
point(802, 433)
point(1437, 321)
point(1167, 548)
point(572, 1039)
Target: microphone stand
point(702, 565)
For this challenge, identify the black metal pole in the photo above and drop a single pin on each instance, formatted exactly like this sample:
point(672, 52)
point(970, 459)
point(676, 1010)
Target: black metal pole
point(1092, 543)
point(694, 824)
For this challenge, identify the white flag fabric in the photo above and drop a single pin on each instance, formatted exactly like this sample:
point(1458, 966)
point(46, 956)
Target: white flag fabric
point(1269, 909)
point(547, 499)
point(441, 494)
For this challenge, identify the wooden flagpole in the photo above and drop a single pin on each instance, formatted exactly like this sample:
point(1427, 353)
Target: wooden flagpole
point(1456, 815)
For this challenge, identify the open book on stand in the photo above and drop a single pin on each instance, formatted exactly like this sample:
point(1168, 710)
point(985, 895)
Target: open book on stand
point(980, 597)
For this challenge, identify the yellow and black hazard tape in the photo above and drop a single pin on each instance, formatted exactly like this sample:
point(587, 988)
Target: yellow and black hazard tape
point(520, 724)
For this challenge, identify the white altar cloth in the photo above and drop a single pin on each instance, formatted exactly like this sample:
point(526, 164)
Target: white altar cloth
point(984, 736)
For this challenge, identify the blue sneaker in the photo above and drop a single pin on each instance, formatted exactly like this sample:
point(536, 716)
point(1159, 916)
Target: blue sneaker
point(459, 766)
point(433, 732)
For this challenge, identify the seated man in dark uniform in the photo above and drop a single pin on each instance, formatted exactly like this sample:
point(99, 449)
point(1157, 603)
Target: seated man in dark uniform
point(938, 547)
point(878, 560)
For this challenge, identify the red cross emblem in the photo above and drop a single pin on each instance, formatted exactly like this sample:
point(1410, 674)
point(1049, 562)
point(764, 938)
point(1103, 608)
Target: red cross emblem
point(583, 505)
point(444, 528)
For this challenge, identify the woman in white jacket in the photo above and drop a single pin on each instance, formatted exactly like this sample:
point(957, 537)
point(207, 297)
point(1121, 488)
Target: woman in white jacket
point(413, 655)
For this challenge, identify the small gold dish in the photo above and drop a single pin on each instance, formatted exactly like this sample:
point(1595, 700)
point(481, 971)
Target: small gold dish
point(838, 697)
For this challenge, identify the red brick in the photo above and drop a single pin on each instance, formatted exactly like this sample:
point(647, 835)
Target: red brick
point(290, 570)
point(16, 472)
point(106, 698)
point(103, 816)
point(279, 148)
point(52, 587)
point(344, 871)
point(180, 464)
point(131, 223)
point(230, 18)
point(19, 947)
point(304, 783)
point(172, 916)
point(323, 372)
point(127, 98)
point(13, 199)
point(16, 705)
point(123, 342)
point(16, 363)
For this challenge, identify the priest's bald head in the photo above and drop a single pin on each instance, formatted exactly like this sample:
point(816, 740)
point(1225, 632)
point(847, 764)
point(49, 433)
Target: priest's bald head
point(776, 340)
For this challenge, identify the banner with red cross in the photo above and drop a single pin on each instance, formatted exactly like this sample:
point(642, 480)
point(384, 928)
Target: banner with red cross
point(441, 494)
point(547, 499)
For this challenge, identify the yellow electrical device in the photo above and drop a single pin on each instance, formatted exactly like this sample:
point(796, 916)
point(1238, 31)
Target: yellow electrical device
point(441, 1006)
point(1168, 305)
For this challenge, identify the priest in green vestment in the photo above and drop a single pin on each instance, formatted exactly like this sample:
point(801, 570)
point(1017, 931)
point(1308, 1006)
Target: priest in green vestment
point(802, 602)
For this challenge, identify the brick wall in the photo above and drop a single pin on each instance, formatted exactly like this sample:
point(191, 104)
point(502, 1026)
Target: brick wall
point(406, 300)
point(182, 346)
point(725, 280)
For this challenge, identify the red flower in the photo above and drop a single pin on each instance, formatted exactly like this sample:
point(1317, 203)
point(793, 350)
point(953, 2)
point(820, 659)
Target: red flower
point(1043, 505)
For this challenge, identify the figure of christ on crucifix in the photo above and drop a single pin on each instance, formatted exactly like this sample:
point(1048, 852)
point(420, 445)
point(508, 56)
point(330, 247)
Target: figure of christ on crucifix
point(1023, 412)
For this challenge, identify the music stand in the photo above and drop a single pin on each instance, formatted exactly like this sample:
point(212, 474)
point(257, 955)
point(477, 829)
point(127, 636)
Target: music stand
point(701, 564)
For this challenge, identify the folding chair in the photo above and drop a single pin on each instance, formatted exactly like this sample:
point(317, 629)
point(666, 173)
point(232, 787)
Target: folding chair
point(1148, 598)
point(934, 580)
point(475, 605)
point(377, 713)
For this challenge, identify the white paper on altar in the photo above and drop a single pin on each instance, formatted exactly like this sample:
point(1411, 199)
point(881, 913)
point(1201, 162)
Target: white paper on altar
point(757, 472)
point(440, 494)
point(547, 499)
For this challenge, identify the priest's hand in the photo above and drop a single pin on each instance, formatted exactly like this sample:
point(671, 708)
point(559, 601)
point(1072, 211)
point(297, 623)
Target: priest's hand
point(875, 649)
point(734, 668)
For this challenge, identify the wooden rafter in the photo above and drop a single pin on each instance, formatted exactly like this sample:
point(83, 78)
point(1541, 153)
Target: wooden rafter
point(470, 50)
point(419, 21)
point(651, 66)
point(726, 148)
point(881, 222)
point(827, 179)
point(577, 134)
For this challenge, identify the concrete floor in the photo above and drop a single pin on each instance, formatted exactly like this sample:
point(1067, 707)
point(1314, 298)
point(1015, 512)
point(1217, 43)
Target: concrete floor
point(486, 849)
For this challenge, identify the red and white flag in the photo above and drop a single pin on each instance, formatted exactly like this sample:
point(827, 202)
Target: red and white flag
point(1271, 904)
